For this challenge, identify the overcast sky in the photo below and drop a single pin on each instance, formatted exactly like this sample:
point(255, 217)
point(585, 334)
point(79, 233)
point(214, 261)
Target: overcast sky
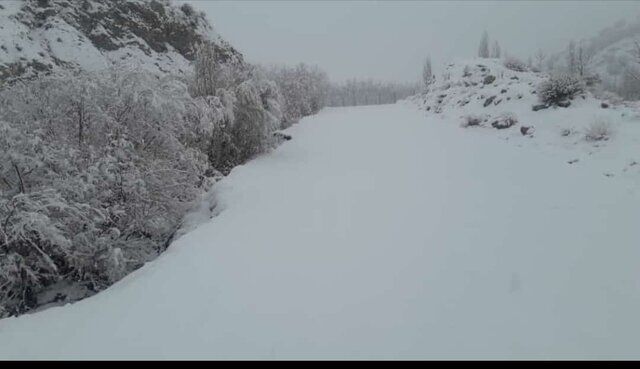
point(388, 40)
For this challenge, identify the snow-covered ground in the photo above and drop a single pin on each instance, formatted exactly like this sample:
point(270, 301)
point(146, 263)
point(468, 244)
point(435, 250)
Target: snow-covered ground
point(379, 232)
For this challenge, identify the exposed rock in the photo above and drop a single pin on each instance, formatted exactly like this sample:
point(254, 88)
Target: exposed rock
point(526, 130)
point(564, 104)
point(604, 105)
point(281, 136)
point(489, 79)
point(488, 101)
point(539, 107)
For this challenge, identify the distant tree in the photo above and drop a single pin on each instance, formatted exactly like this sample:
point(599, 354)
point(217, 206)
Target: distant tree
point(540, 57)
point(632, 71)
point(583, 59)
point(496, 51)
point(483, 49)
point(427, 73)
point(572, 63)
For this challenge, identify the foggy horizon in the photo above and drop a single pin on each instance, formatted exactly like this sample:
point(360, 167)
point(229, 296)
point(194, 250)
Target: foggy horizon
point(392, 38)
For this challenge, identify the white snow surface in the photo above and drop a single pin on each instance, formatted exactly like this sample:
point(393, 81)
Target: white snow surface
point(376, 233)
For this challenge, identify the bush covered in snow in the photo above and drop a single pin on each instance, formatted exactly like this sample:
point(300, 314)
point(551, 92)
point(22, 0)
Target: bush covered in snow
point(504, 120)
point(98, 169)
point(599, 130)
point(97, 173)
point(559, 88)
point(471, 120)
point(515, 64)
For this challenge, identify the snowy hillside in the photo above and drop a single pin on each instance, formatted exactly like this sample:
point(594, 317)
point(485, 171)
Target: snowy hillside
point(611, 54)
point(613, 62)
point(47, 35)
point(490, 93)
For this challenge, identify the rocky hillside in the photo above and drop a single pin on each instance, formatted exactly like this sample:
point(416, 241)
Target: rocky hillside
point(46, 35)
point(485, 97)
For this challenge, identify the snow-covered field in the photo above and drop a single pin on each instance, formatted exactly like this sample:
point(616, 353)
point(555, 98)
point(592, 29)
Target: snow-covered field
point(379, 232)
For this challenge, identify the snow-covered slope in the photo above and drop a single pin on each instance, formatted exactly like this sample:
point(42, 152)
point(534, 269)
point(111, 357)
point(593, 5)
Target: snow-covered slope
point(379, 232)
point(562, 133)
point(610, 54)
point(47, 35)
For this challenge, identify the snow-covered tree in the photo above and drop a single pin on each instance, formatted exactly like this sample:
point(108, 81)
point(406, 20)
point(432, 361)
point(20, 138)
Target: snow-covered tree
point(583, 59)
point(369, 92)
point(304, 89)
point(427, 73)
point(496, 52)
point(572, 63)
point(540, 58)
point(96, 172)
point(483, 49)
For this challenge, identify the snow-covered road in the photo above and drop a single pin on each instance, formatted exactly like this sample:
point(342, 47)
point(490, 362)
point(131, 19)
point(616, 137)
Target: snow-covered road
point(378, 232)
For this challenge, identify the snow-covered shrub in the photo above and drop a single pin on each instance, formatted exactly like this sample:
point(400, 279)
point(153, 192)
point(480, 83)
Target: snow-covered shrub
point(599, 130)
point(96, 173)
point(515, 64)
point(559, 88)
point(504, 120)
point(471, 120)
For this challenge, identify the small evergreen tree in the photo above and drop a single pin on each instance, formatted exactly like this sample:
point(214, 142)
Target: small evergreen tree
point(496, 51)
point(427, 73)
point(483, 49)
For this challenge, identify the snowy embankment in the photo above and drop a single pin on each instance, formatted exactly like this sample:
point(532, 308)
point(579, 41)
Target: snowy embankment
point(485, 90)
point(378, 232)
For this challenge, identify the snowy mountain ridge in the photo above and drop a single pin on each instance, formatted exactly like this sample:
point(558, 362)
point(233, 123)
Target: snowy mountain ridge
point(48, 35)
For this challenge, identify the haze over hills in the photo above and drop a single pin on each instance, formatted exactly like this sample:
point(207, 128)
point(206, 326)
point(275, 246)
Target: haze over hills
point(163, 198)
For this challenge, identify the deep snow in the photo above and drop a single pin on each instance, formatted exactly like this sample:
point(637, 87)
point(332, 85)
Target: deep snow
point(378, 232)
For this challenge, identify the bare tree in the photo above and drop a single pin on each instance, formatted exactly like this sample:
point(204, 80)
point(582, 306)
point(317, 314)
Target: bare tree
point(630, 71)
point(583, 59)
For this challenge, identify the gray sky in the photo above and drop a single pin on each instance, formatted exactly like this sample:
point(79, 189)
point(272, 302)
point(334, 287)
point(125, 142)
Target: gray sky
point(388, 40)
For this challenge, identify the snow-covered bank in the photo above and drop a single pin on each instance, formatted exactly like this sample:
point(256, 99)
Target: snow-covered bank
point(378, 232)
point(486, 90)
